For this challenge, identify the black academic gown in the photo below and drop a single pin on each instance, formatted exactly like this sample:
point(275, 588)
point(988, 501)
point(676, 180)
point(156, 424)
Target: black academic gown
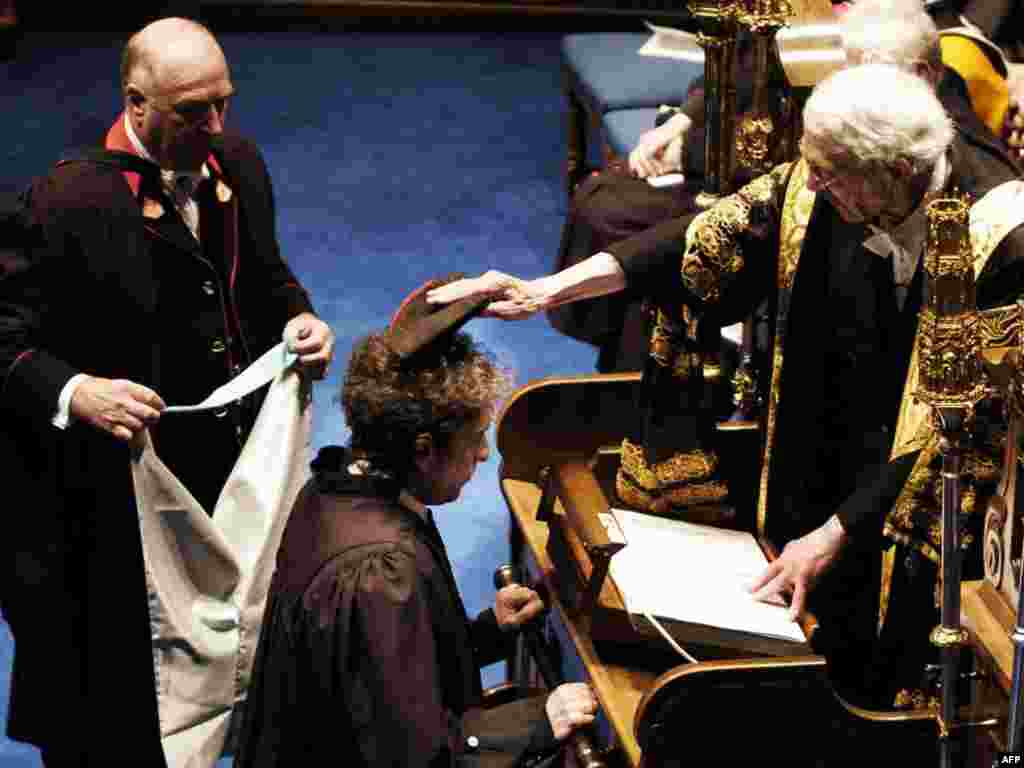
point(847, 347)
point(367, 656)
point(115, 285)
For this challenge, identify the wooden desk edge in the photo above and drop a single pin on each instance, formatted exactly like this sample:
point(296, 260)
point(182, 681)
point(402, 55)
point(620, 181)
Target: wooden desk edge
point(630, 684)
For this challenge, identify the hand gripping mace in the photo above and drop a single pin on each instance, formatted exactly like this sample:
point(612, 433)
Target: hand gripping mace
point(587, 756)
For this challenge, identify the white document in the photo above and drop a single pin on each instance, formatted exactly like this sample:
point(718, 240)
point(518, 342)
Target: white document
point(696, 575)
point(809, 52)
point(666, 180)
point(669, 43)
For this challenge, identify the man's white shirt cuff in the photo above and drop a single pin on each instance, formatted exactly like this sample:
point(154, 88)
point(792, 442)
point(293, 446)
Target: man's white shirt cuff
point(63, 415)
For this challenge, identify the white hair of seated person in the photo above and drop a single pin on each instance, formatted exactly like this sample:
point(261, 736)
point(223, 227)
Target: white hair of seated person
point(897, 32)
point(873, 116)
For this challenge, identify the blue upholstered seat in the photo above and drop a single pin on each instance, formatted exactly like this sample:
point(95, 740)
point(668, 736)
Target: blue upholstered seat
point(619, 89)
point(622, 127)
point(615, 76)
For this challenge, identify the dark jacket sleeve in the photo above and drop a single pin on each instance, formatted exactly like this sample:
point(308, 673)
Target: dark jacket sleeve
point(398, 692)
point(490, 644)
point(863, 513)
point(651, 259)
point(31, 378)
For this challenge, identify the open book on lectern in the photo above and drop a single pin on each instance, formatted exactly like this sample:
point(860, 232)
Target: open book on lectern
point(693, 580)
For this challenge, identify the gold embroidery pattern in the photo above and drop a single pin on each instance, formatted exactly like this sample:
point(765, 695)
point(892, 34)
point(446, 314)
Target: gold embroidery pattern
point(679, 468)
point(682, 480)
point(915, 699)
point(916, 518)
point(991, 218)
point(796, 211)
point(668, 346)
point(712, 255)
point(888, 563)
point(670, 500)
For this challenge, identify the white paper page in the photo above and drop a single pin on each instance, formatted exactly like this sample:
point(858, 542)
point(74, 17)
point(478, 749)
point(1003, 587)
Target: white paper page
point(672, 44)
point(695, 573)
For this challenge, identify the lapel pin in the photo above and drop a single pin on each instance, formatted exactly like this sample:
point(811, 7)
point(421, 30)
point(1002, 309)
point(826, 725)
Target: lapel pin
point(151, 209)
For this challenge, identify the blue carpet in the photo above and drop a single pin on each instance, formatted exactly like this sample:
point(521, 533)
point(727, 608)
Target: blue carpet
point(395, 157)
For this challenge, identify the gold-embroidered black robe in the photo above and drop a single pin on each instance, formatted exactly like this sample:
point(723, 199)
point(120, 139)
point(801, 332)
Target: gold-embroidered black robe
point(841, 353)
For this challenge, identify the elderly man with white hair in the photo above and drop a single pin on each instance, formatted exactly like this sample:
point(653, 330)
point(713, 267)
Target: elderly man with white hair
point(611, 205)
point(834, 241)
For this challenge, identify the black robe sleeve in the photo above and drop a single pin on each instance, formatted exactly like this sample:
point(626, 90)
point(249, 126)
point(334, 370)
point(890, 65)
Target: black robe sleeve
point(52, 233)
point(396, 692)
point(490, 643)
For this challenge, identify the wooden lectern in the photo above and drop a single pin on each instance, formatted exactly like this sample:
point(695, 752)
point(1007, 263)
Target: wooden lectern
point(559, 440)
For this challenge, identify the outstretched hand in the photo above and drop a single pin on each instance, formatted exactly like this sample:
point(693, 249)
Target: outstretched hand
point(800, 565)
point(511, 298)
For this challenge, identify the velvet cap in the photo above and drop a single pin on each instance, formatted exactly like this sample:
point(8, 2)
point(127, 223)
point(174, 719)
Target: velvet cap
point(419, 327)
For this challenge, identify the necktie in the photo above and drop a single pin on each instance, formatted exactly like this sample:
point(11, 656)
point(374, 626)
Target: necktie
point(182, 188)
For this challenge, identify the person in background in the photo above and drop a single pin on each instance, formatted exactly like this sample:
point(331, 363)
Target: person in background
point(612, 206)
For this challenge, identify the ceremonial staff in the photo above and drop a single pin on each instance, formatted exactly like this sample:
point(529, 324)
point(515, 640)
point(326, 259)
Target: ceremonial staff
point(950, 381)
point(584, 751)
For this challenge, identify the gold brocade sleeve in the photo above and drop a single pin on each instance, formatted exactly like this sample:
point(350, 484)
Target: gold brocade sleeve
point(713, 254)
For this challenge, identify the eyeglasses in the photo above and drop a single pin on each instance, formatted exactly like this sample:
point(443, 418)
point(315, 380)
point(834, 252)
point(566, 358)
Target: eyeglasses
point(822, 178)
point(194, 112)
point(819, 176)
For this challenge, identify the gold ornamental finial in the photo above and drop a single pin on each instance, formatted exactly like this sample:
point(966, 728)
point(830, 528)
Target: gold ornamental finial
point(950, 373)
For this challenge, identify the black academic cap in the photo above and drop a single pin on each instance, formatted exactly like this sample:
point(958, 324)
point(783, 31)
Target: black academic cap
point(418, 325)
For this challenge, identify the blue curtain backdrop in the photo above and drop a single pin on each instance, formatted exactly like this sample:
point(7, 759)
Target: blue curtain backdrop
point(395, 157)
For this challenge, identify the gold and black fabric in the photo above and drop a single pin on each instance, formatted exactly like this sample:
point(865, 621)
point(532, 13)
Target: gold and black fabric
point(841, 353)
point(670, 465)
point(613, 205)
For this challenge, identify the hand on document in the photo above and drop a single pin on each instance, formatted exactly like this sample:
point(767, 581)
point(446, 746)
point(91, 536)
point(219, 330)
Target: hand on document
point(802, 561)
